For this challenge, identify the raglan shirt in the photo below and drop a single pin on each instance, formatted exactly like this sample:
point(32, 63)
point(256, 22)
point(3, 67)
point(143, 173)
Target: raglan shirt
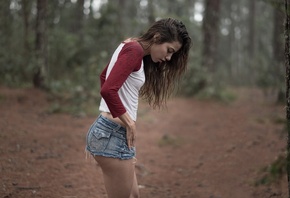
point(122, 79)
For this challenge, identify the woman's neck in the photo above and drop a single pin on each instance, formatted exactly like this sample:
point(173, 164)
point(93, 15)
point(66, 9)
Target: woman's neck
point(146, 47)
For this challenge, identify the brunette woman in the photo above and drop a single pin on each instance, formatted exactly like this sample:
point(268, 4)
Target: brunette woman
point(148, 66)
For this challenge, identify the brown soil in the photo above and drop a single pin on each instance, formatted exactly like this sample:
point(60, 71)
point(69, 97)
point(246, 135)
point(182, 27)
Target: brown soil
point(194, 149)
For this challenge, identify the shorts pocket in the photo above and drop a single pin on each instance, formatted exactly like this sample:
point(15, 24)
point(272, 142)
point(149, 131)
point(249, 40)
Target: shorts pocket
point(98, 139)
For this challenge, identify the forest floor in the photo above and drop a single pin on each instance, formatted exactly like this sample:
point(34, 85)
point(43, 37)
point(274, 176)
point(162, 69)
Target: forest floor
point(194, 149)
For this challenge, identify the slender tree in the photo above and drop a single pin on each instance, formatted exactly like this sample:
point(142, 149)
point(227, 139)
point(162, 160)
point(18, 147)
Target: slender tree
point(151, 17)
point(252, 17)
point(26, 7)
point(210, 29)
point(287, 65)
point(5, 36)
point(122, 5)
point(79, 17)
point(40, 45)
point(277, 43)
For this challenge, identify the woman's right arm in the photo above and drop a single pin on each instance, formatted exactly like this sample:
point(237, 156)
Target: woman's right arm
point(129, 60)
point(130, 128)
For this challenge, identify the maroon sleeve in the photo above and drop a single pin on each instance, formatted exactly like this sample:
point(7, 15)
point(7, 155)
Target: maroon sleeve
point(103, 75)
point(128, 61)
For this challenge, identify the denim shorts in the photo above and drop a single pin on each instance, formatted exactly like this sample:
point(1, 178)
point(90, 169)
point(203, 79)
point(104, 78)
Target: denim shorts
point(107, 138)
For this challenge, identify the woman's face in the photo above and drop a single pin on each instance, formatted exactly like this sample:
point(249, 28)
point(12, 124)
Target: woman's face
point(163, 52)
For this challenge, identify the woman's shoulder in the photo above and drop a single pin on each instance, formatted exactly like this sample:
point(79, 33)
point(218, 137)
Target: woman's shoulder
point(133, 44)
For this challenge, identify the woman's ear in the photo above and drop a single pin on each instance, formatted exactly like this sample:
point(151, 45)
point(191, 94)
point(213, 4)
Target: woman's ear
point(156, 37)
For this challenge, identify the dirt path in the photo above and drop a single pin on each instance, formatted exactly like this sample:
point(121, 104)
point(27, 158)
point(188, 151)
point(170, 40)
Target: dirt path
point(194, 149)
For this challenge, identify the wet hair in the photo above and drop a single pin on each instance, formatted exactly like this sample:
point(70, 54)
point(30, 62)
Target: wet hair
point(162, 78)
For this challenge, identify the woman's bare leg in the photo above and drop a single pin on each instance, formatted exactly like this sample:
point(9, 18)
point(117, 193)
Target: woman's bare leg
point(119, 177)
point(135, 188)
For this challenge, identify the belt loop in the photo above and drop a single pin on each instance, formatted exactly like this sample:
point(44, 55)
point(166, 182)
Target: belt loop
point(117, 128)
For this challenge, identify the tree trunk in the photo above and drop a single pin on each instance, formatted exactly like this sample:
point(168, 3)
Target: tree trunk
point(189, 4)
point(121, 17)
point(26, 6)
point(40, 45)
point(210, 29)
point(287, 65)
point(151, 15)
point(79, 17)
point(230, 40)
point(278, 49)
point(5, 35)
point(251, 41)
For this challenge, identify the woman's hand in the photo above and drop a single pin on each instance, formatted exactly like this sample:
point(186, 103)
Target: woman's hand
point(131, 135)
point(130, 128)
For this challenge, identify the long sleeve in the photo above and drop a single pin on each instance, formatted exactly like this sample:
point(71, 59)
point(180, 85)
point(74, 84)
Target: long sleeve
point(129, 60)
point(103, 76)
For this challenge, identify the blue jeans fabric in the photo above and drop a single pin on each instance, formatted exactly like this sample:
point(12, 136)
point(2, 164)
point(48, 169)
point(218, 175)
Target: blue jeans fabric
point(107, 138)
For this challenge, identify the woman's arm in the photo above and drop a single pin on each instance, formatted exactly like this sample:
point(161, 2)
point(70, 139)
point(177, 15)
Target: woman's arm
point(130, 128)
point(129, 60)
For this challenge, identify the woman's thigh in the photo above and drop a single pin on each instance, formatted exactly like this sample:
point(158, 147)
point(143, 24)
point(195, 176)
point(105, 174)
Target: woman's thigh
point(119, 176)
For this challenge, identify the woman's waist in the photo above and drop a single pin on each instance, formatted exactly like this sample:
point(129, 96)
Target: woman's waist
point(110, 117)
point(131, 108)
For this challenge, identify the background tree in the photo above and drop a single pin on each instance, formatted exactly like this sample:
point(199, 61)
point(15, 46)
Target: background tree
point(40, 73)
point(210, 27)
point(63, 45)
point(251, 37)
point(232, 40)
point(278, 58)
point(151, 17)
point(287, 65)
point(26, 13)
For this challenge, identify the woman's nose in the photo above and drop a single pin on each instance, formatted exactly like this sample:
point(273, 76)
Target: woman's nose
point(168, 57)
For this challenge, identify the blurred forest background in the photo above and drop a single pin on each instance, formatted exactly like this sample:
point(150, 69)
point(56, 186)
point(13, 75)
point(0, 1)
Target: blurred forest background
point(62, 45)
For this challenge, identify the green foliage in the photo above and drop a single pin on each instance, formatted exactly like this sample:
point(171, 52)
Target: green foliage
point(274, 172)
point(76, 56)
point(195, 78)
point(217, 93)
point(74, 105)
point(193, 82)
point(271, 81)
point(2, 98)
point(279, 120)
point(65, 97)
point(266, 79)
point(198, 82)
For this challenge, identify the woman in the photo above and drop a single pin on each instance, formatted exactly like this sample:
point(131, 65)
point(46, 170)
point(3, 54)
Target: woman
point(159, 56)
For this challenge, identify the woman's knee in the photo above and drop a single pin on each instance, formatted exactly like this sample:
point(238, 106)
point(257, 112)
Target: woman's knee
point(134, 193)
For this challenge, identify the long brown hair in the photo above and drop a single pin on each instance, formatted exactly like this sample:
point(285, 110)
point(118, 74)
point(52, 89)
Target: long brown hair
point(161, 78)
